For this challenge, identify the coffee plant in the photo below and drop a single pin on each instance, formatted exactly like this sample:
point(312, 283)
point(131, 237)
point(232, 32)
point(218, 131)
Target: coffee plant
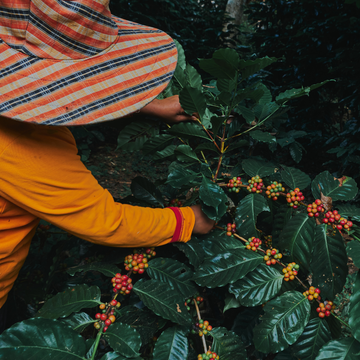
point(276, 260)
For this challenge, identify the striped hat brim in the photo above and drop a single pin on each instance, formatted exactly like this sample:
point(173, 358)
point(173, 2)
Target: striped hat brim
point(116, 82)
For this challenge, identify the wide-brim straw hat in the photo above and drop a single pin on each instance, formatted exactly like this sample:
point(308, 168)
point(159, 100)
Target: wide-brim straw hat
point(72, 63)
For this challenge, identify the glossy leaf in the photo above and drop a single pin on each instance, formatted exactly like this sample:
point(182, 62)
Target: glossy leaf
point(246, 214)
point(354, 312)
point(297, 239)
point(296, 151)
point(145, 190)
point(284, 321)
point(223, 64)
point(250, 67)
point(343, 349)
point(172, 344)
point(329, 262)
point(123, 339)
point(231, 302)
point(315, 335)
point(281, 218)
point(193, 250)
point(188, 130)
point(226, 268)
point(104, 268)
point(163, 301)
point(165, 153)
point(258, 286)
point(136, 130)
point(186, 153)
point(353, 251)
point(158, 142)
point(79, 321)
point(180, 176)
point(349, 211)
point(211, 194)
point(192, 101)
point(71, 300)
point(255, 167)
point(116, 356)
point(262, 136)
point(247, 113)
point(295, 178)
point(227, 344)
point(333, 188)
point(143, 320)
point(173, 273)
point(41, 339)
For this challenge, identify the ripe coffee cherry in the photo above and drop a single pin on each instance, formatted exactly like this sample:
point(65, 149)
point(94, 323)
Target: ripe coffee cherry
point(290, 271)
point(107, 322)
point(255, 185)
point(253, 243)
point(102, 306)
point(103, 317)
point(294, 197)
point(113, 302)
point(230, 229)
point(273, 190)
point(97, 326)
point(234, 184)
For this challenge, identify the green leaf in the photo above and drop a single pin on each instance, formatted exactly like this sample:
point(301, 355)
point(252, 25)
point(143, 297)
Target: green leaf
point(192, 101)
point(180, 176)
point(193, 250)
point(41, 339)
point(284, 321)
point(214, 213)
point(231, 302)
point(193, 77)
point(246, 214)
point(295, 93)
point(117, 356)
point(329, 262)
point(354, 312)
point(227, 267)
point(163, 301)
point(254, 167)
point(227, 344)
point(181, 60)
point(281, 217)
point(353, 251)
point(262, 136)
point(295, 151)
point(145, 190)
point(236, 145)
point(258, 286)
point(206, 147)
point(137, 131)
point(79, 321)
point(172, 344)
point(158, 142)
point(223, 64)
point(165, 153)
point(247, 113)
point(344, 349)
point(211, 194)
point(186, 153)
point(71, 300)
point(188, 130)
point(297, 238)
point(173, 273)
point(349, 211)
point(143, 320)
point(333, 188)
point(104, 268)
point(315, 335)
point(295, 178)
point(250, 67)
point(123, 339)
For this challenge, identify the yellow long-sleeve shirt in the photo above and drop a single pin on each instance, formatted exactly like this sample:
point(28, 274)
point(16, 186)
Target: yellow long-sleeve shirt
point(42, 177)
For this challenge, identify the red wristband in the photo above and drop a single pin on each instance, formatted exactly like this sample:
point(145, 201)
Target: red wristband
point(179, 224)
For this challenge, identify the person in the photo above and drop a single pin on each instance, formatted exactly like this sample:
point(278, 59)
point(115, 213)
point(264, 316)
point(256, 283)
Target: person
point(67, 63)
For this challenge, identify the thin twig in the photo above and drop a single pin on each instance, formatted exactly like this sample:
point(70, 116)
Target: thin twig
point(199, 318)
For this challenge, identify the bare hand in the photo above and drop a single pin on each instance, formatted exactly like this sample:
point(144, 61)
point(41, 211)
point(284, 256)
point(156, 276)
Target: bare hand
point(202, 223)
point(168, 110)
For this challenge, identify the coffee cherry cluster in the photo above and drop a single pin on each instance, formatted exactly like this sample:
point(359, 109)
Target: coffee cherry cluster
point(230, 229)
point(189, 302)
point(316, 208)
point(273, 191)
point(122, 284)
point(138, 261)
point(268, 241)
point(255, 184)
point(253, 243)
point(294, 197)
point(234, 184)
point(175, 203)
point(312, 293)
point(107, 317)
point(209, 355)
point(290, 271)
point(334, 218)
point(325, 309)
point(203, 327)
point(271, 257)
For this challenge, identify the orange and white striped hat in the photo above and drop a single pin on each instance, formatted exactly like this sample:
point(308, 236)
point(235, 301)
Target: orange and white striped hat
point(65, 62)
